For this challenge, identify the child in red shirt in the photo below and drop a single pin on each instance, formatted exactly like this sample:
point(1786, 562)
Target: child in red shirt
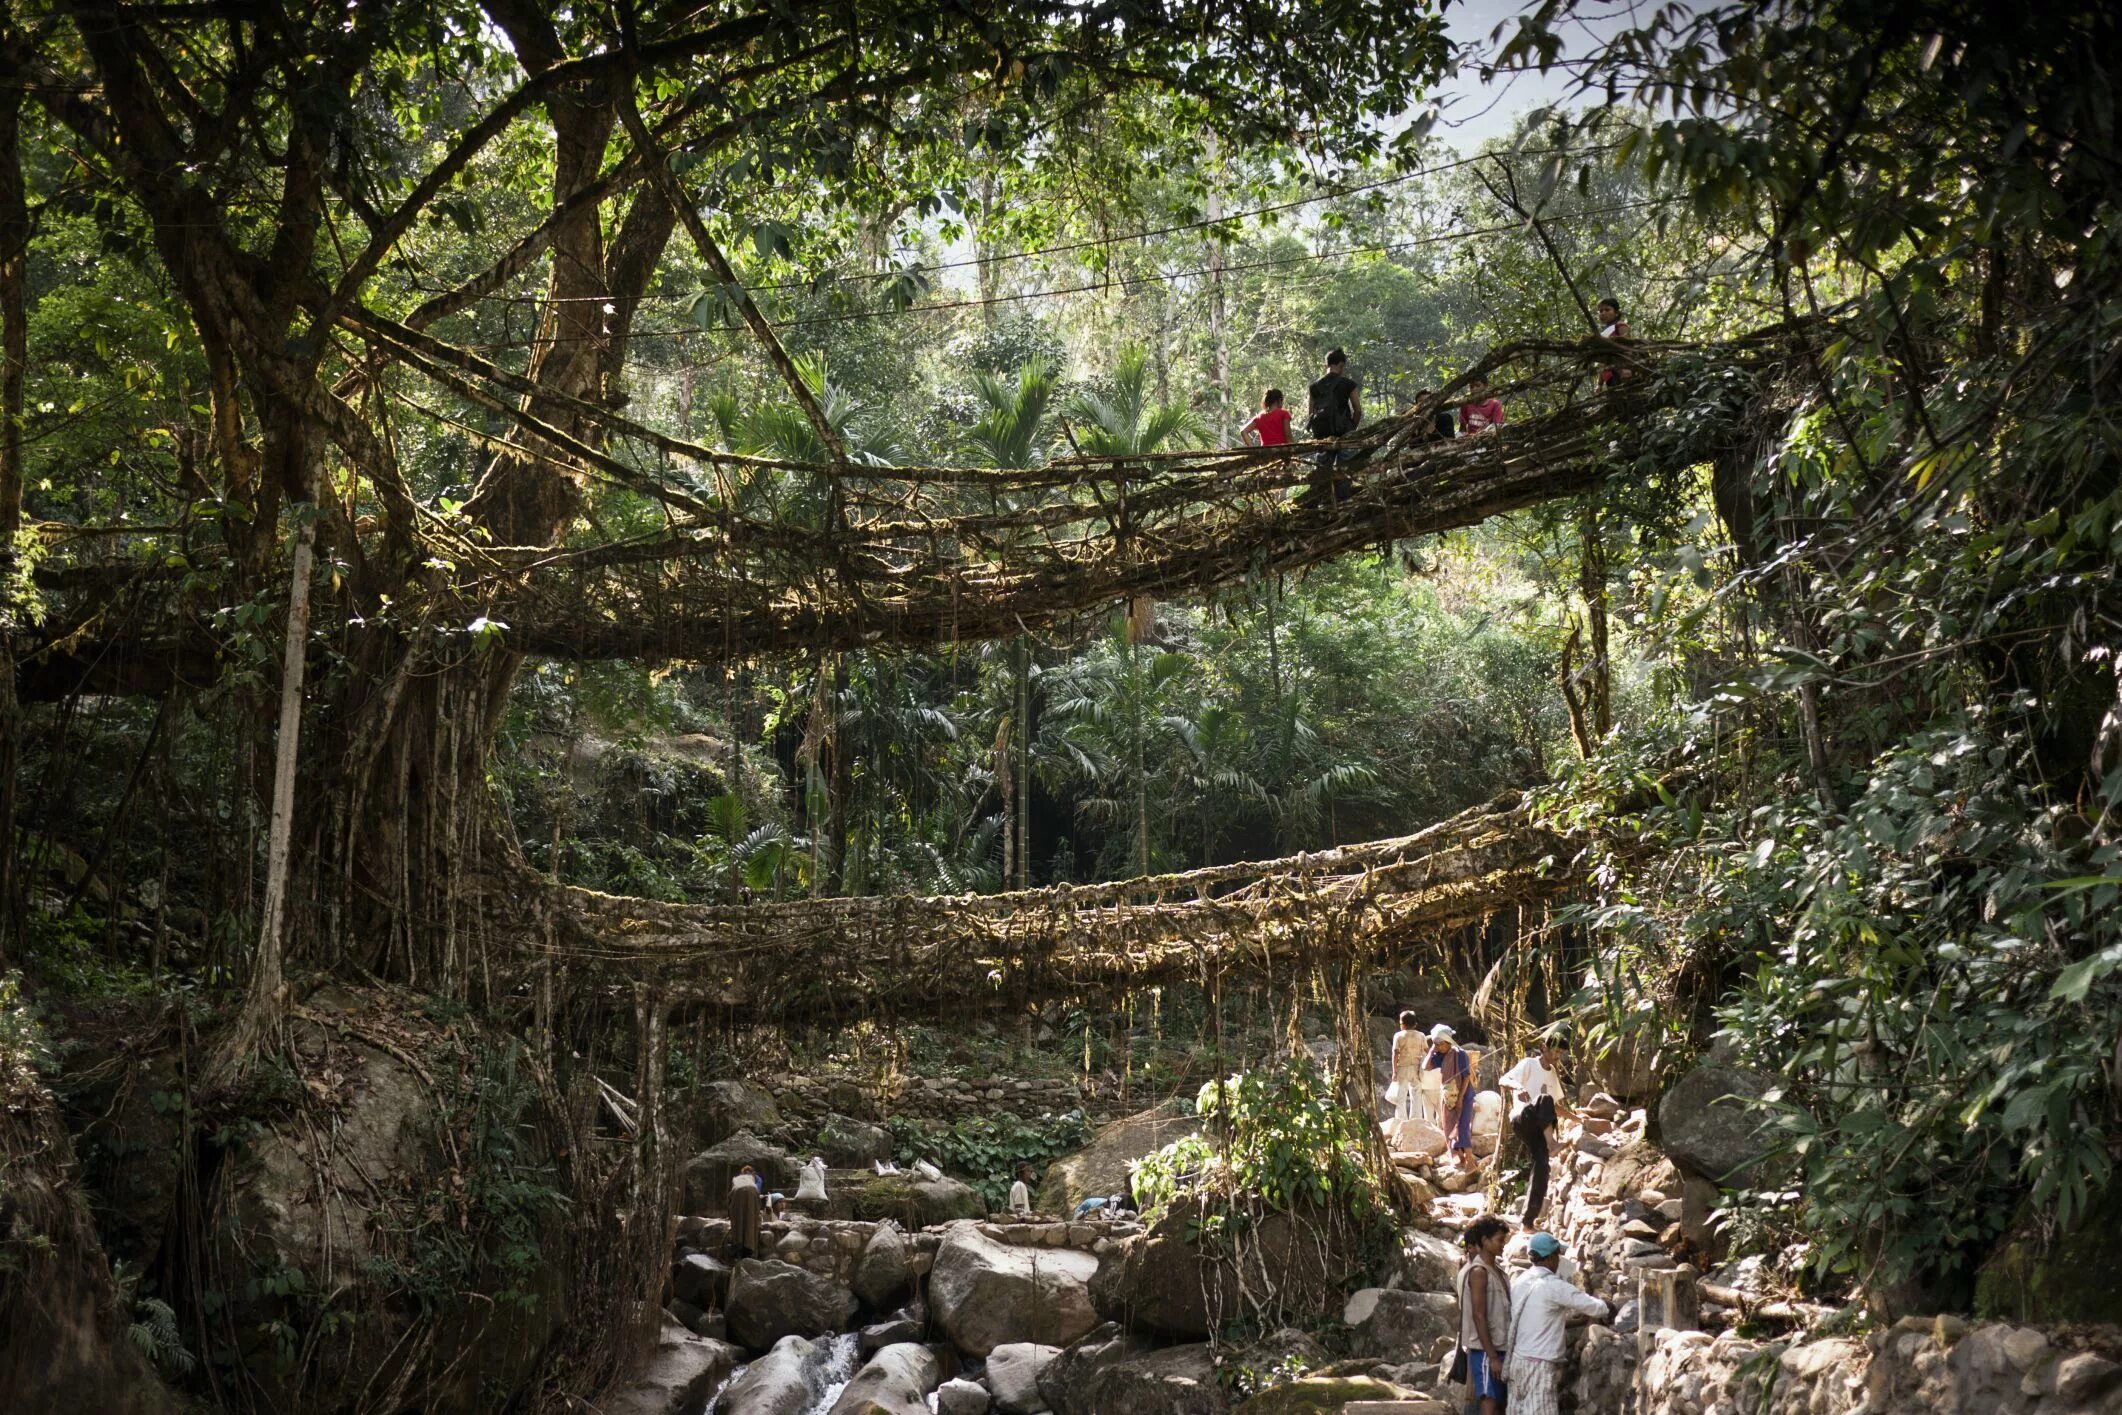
point(1270, 426)
point(1479, 413)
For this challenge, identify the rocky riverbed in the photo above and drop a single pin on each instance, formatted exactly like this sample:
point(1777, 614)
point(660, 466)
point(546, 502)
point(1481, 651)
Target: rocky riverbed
point(848, 1310)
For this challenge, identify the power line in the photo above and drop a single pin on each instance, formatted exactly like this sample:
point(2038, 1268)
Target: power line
point(1121, 283)
point(1070, 247)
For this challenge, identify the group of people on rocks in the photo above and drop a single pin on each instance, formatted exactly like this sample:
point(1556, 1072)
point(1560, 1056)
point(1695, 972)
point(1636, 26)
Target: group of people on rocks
point(1336, 406)
point(1512, 1331)
point(1433, 1080)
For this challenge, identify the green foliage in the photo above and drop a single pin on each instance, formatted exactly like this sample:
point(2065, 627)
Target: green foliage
point(70, 955)
point(480, 1224)
point(25, 1050)
point(985, 1150)
point(1275, 1133)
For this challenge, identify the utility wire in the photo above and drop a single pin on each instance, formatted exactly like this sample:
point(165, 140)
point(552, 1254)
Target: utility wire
point(1118, 284)
point(1071, 247)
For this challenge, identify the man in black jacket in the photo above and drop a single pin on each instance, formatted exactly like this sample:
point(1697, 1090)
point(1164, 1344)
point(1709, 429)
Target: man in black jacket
point(1336, 410)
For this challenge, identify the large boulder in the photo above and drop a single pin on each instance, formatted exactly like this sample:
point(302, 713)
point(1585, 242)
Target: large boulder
point(1160, 1283)
point(1179, 1380)
point(1102, 1166)
point(1708, 1124)
point(682, 1372)
point(286, 1202)
point(959, 1396)
point(1627, 1069)
point(700, 1280)
point(1065, 1378)
point(769, 1300)
point(1413, 1136)
point(896, 1381)
point(906, 1198)
point(707, 1174)
point(778, 1383)
point(2040, 1276)
point(885, 1268)
point(1427, 1263)
point(1397, 1326)
point(727, 1108)
point(1013, 1371)
point(985, 1293)
point(846, 1143)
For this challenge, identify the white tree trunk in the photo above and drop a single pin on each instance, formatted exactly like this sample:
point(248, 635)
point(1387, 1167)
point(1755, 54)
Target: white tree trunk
point(266, 1000)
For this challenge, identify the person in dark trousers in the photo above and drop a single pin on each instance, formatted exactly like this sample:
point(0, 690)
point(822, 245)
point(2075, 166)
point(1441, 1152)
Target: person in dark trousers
point(1535, 1094)
point(1336, 410)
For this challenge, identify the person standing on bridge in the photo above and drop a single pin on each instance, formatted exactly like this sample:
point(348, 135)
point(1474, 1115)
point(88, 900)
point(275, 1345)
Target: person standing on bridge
point(1613, 326)
point(1336, 410)
point(1482, 411)
point(1270, 426)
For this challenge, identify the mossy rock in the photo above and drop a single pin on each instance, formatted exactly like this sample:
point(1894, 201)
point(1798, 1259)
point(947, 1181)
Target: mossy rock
point(909, 1199)
point(1317, 1395)
point(2071, 1278)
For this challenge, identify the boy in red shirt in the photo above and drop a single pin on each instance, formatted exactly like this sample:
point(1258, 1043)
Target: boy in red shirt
point(1479, 413)
point(1270, 426)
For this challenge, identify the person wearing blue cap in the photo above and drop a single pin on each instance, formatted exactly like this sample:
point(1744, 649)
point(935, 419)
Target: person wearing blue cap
point(1541, 1303)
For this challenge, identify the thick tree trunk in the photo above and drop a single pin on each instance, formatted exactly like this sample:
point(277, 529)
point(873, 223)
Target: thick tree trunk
point(1024, 763)
point(419, 845)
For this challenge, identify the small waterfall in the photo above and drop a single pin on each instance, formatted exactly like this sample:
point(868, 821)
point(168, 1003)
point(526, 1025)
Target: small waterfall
point(836, 1362)
point(831, 1364)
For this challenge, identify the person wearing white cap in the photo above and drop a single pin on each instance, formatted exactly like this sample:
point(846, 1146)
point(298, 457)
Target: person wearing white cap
point(1541, 1303)
point(1450, 1061)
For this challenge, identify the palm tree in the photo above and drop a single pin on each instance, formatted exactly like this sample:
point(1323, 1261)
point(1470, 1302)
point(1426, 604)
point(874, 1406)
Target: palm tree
point(1012, 434)
point(782, 430)
point(1124, 422)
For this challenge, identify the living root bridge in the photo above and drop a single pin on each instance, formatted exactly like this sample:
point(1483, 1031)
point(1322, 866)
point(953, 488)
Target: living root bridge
point(906, 955)
point(758, 555)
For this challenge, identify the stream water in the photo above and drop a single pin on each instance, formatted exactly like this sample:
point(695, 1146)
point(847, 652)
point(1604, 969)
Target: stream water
point(832, 1363)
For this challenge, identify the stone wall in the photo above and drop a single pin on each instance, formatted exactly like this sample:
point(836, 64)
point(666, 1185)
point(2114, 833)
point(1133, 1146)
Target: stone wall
point(830, 1247)
point(1919, 1366)
point(1673, 1350)
point(925, 1097)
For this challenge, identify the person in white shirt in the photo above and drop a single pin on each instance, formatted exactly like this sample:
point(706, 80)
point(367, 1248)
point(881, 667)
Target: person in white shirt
point(1541, 1303)
point(1020, 1193)
point(1410, 1050)
point(1535, 1096)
